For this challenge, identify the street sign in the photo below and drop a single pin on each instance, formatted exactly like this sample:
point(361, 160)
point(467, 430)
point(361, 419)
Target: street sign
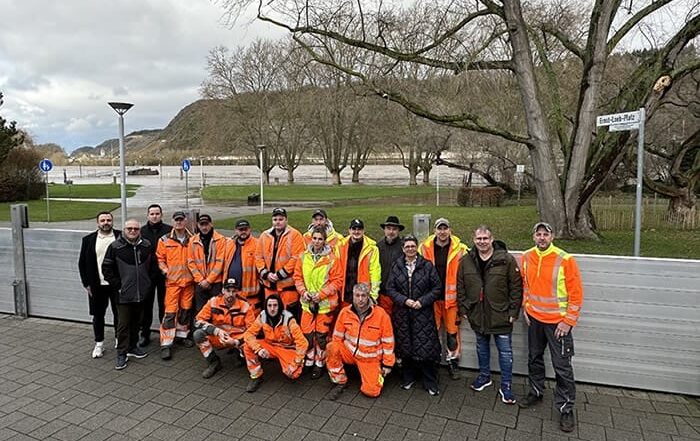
point(520, 168)
point(45, 165)
point(186, 165)
point(624, 127)
point(618, 118)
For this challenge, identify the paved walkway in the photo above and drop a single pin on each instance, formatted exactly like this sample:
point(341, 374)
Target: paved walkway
point(51, 389)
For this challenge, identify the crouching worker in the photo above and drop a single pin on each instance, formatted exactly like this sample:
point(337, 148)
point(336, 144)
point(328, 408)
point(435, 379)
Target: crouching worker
point(282, 339)
point(221, 324)
point(363, 336)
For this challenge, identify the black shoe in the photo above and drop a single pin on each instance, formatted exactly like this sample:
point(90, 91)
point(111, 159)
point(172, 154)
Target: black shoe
point(136, 353)
point(254, 384)
point(165, 353)
point(336, 392)
point(121, 362)
point(186, 342)
point(453, 370)
point(213, 368)
point(530, 400)
point(144, 341)
point(316, 372)
point(567, 422)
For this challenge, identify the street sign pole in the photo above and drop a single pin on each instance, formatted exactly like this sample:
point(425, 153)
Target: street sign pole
point(437, 181)
point(640, 182)
point(186, 166)
point(48, 211)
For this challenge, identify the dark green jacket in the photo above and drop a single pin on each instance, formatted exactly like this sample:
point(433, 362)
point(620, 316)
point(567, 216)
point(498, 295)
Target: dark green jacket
point(489, 303)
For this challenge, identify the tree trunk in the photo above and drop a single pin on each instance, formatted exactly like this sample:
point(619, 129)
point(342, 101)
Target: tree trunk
point(412, 175)
point(356, 175)
point(426, 176)
point(267, 177)
point(682, 209)
point(290, 175)
point(335, 177)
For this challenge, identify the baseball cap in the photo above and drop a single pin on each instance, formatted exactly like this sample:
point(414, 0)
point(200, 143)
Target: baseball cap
point(442, 221)
point(544, 225)
point(204, 218)
point(279, 212)
point(357, 223)
point(319, 212)
point(232, 283)
point(179, 215)
point(242, 223)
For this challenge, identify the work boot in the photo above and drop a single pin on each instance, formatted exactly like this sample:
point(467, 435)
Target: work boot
point(186, 342)
point(316, 372)
point(453, 369)
point(336, 392)
point(567, 422)
point(530, 400)
point(254, 384)
point(165, 353)
point(214, 366)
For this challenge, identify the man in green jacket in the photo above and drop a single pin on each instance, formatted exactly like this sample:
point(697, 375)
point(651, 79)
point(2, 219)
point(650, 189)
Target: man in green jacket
point(489, 294)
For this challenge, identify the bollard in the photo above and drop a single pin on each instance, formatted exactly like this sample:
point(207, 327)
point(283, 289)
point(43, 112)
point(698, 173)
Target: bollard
point(20, 221)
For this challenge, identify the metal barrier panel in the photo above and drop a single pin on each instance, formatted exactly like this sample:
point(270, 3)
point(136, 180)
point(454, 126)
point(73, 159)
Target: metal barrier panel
point(7, 275)
point(639, 326)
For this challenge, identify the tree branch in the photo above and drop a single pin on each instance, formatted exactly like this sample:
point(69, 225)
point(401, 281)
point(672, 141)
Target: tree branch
point(563, 39)
point(632, 22)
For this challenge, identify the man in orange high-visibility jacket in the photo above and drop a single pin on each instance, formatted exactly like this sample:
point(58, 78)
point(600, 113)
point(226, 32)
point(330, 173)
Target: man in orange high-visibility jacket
point(552, 299)
point(205, 259)
point(221, 324)
point(359, 261)
point(239, 264)
point(444, 250)
point(282, 339)
point(363, 336)
point(179, 285)
point(275, 258)
point(319, 218)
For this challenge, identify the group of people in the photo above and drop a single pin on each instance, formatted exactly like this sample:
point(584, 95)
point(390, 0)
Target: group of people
point(321, 300)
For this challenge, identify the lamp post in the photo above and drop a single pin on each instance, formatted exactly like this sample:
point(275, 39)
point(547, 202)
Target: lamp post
point(261, 147)
point(121, 109)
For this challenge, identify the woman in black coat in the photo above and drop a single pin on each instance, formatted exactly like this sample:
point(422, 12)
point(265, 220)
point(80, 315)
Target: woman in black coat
point(413, 286)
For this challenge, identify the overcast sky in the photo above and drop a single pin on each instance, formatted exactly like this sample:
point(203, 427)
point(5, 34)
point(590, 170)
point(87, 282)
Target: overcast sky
point(62, 61)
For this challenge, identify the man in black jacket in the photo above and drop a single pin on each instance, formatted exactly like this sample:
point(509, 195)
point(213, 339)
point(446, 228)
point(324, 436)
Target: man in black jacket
point(153, 230)
point(489, 294)
point(129, 267)
point(100, 295)
point(390, 249)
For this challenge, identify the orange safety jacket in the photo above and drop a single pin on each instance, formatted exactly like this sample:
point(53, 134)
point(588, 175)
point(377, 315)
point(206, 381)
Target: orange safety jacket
point(234, 319)
point(323, 276)
point(250, 285)
point(172, 258)
point(371, 339)
point(552, 288)
point(209, 267)
point(369, 270)
point(457, 250)
point(289, 247)
point(287, 334)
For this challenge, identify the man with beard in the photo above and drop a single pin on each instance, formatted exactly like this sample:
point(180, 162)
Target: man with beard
point(239, 264)
point(205, 259)
point(319, 219)
point(389, 251)
point(100, 294)
point(359, 260)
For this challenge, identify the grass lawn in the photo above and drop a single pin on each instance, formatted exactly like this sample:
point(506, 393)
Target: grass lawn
point(90, 191)
point(59, 210)
point(237, 193)
point(511, 224)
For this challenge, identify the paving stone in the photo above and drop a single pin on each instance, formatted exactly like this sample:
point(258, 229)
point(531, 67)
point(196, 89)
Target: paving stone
point(191, 418)
point(71, 433)
point(621, 435)
point(48, 429)
point(318, 436)
point(265, 431)
point(392, 433)
point(636, 404)
point(529, 424)
point(659, 423)
point(500, 419)
point(491, 432)
point(336, 425)
point(215, 423)
point(591, 432)
point(517, 435)
point(656, 436)
point(362, 429)
point(626, 422)
point(293, 433)
point(144, 428)
point(432, 424)
point(595, 418)
point(168, 432)
point(26, 425)
point(414, 435)
point(352, 412)
point(471, 415)
point(312, 422)
point(458, 430)
point(671, 408)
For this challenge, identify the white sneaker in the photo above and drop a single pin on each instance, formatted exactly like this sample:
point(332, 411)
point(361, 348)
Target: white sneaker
point(99, 350)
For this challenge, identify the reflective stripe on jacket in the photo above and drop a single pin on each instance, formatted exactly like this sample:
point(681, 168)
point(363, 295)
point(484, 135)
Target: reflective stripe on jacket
point(250, 284)
point(369, 340)
point(552, 289)
point(209, 267)
point(457, 250)
point(323, 276)
point(234, 319)
point(172, 258)
point(287, 334)
point(290, 246)
point(369, 270)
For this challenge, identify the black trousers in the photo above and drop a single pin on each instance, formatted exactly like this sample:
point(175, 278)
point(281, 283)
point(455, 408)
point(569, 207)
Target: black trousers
point(156, 292)
point(540, 336)
point(411, 369)
point(128, 329)
point(98, 302)
point(202, 296)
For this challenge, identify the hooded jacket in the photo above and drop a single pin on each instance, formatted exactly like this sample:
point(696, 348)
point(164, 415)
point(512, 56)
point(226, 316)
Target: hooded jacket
point(129, 269)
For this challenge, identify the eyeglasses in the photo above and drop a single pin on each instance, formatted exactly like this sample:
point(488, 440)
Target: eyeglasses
point(132, 228)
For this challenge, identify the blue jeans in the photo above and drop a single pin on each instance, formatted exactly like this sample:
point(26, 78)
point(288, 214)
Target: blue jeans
point(505, 355)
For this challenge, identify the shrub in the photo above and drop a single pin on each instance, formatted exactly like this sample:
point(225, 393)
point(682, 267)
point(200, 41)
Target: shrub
point(480, 196)
point(20, 177)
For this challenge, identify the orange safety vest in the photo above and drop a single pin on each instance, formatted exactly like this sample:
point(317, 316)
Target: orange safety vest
point(369, 270)
point(457, 250)
point(371, 339)
point(172, 258)
point(552, 288)
point(207, 267)
point(287, 334)
point(250, 285)
point(323, 276)
point(289, 247)
point(234, 319)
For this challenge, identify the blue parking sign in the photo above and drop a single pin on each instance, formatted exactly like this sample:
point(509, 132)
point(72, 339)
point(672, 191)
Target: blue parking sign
point(45, 165)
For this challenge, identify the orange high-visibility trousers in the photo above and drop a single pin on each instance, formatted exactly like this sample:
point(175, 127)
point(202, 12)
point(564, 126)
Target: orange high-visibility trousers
point(286, 356)
point(178, 313)
point(370, 370)
point(447, 318)
point(316, 328)
point(207, 343)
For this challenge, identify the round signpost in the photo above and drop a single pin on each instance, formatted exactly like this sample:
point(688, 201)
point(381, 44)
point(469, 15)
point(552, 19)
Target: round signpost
point(46, 165)
point(186, 166)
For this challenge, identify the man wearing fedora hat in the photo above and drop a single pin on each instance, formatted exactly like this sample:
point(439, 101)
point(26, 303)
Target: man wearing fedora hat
point(389, 251)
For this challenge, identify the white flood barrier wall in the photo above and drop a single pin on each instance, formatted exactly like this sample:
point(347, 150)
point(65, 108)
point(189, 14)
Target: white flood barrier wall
point(640, 324)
